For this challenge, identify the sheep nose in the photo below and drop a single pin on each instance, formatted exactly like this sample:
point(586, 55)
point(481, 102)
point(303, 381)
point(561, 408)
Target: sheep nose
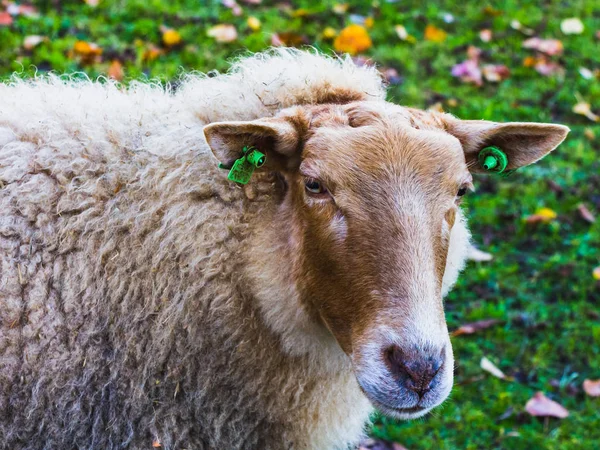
point(415, 370)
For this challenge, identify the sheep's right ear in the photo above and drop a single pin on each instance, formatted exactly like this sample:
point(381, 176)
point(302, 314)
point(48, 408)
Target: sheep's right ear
point(280, 138)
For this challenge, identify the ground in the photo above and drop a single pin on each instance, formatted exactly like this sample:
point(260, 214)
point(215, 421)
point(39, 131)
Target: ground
point(540, 284)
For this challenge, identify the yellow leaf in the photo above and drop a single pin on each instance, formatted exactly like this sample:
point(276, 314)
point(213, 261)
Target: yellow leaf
point(435, 34)
point(369, 22)
point(329, 33)
point(544, 215)
point(87, 48)
point(596, 273)
point(171, 37)
point(253, 23)
point(353, 39)
point(223, 33)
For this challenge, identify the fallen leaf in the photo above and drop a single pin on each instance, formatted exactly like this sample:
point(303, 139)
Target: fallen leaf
point(340, 8)
point(543, 215)
point(473, 327)
point(592, 387)
point(156, 443)
point(547, 46)
point(32, 41)
point(353, 39)
point(253, 23)
point(329, 33)
point(376, 444)
point(572, 26)
point(115, 71)
point(88, 52)
point(92, 3)
point(596, 273)
point(474, 254)
point(584, 109)
point(5, 19)
point(485, 35)
point(233, 6)
point(516, 25)
point(151, 53)
point(403, 34)
point(468, 71)
point(586, 73)
point(288, 39)
point(489, 367)
point(170, 37)
point(585, 213)
point(589, 134)
point(541, 406)
point(223, 33)
point(495, 73)
point(545, 67)
point(434, 34)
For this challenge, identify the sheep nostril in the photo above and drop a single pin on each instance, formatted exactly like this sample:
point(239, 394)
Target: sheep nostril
point(414, 370)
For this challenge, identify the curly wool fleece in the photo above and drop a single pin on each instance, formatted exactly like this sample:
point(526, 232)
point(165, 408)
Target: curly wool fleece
point(123, 318)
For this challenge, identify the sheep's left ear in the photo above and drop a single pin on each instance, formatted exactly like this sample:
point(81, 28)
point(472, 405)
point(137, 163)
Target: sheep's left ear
point(280, 138)
point(523, 142)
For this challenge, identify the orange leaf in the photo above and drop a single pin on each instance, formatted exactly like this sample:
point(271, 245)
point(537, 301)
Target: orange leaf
point(156, 443)
point(592, 388)
point(543, 215)
point(435, 34)
point(541, 406)
point(115, 71)
point(353, 39)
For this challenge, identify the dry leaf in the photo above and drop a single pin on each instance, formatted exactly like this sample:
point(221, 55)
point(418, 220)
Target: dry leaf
point(470, 328)
point(585, 213)
point(253, 23)
point(5, 19)
point(541, 406)
point(288, 39)
point(92, 3)
point(32, 41)
point(572, 26)
point(435, 34)
point(88, 52)
point(547, 46)
point(543, 215)
point(586, 73)
point(592, 387)
point(489, 367)
point(468, 71)
point(151, 53)
point(584, 109)
point(516, 25)
point(156, 443)
point(474, 254)
point(233, 6)
point(495, 73)
point(353, 39)
point(340, 8)
point(596, 273)
point(485, 35)
point(115, 71)
point(223, 33)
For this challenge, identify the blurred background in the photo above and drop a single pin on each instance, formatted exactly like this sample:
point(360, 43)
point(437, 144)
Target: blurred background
point(525, 316)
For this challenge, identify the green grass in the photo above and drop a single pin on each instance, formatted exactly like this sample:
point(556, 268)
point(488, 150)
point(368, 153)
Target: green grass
point(540, 282)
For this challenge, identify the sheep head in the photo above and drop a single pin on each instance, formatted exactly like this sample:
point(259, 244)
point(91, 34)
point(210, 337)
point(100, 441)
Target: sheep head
point(372, 210)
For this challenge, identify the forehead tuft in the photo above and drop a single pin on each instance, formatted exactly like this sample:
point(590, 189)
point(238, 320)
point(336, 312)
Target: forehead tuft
point(378, 138)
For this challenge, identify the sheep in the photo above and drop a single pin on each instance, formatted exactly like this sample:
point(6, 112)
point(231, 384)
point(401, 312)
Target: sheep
point(147, 300)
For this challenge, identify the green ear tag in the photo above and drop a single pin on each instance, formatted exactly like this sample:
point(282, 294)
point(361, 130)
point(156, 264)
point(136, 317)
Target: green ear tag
point(244, 167)
point(493, 160)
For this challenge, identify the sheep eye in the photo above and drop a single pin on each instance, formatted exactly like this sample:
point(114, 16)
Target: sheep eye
point(462, 191)
point(314, 186)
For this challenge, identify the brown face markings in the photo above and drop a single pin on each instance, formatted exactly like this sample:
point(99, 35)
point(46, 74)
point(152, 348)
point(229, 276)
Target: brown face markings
point(375, 247)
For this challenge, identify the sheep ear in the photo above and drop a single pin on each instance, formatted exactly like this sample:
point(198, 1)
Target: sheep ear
point(279, 138)
point(523, 142)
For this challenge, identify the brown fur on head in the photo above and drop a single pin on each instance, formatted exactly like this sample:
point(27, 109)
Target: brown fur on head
point(373, 229)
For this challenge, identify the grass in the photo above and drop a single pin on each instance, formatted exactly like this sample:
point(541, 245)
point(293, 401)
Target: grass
point(540, 282)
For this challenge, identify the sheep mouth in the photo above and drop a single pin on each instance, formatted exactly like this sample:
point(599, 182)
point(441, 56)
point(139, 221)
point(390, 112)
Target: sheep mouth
point(411, 412)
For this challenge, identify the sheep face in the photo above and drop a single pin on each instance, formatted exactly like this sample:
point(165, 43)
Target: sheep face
point(372, 214)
